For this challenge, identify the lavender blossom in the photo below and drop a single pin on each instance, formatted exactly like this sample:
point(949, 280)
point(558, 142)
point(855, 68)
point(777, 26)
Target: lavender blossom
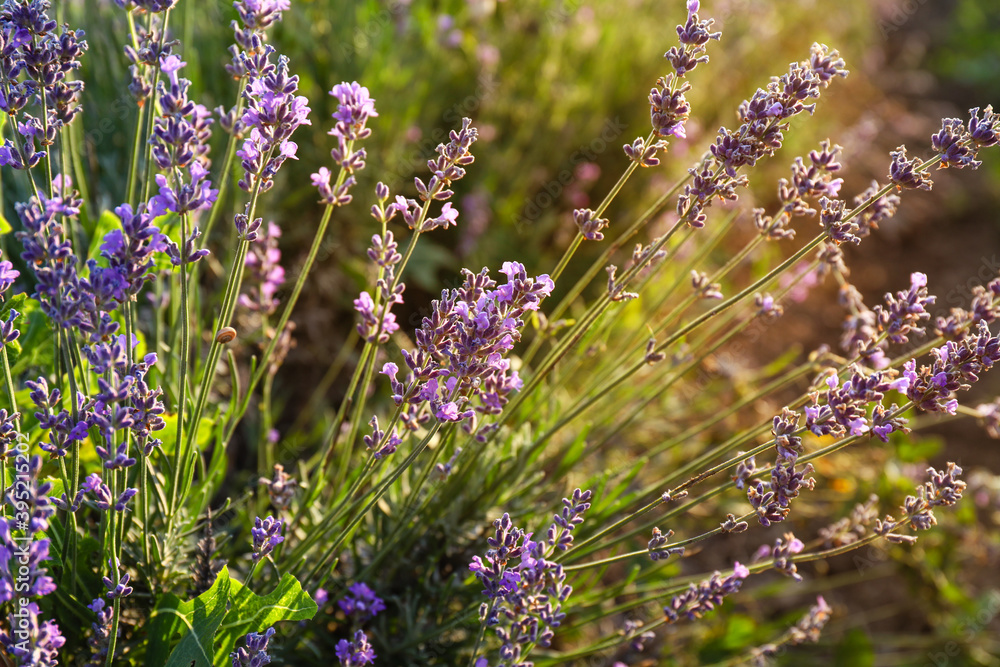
point(21, 569)
point(355, 653)
point(120, 588)
point(560, 535)
point(9, 435)
point(266, 536)
point(272, 115)
point(100, 640)
point(355, 106)
point(266, 275)
point(36, 643)
point(461, 345)
point(256, 16)
point(281, 488)
point(32, 44)
point(8, 274)
point(656, 545)
point(361, 604)
point(706, 596)
point(763, 118)
point(784, 548)
point(527, 599)
point(669, 109)
point(807, 182)
point(904, 311)
point(64, 299)
point(942, 489)
point(255, 652)
point(771, 500)
point(447, 168)
point(956, 365)
point(28, 497)
point(377, 442)
point(180, 143)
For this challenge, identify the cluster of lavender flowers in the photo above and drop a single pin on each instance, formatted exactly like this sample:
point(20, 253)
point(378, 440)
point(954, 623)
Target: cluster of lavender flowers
point(272, 115)
point(377, 320)
point(705, 596)
point(35, 60)
point(254, 654)
point(942, 489)
point(461, 346)
point(525, 601)
point(763, 117)
point(23, 576)
point(360, 605)
point(771, 500)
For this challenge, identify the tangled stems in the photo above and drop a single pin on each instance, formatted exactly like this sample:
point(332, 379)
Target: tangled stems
point(215, 351)
point(580, 549)
point(601, 261)
point(608, 198)
point(365, 370)
point(287, 312)
point(376, 495)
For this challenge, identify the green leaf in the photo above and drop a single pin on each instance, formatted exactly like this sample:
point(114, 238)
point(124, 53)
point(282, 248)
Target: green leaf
point(250, 612)
point(197, 621)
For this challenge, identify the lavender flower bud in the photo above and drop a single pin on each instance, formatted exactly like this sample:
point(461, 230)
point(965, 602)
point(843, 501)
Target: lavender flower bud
point(266, 536)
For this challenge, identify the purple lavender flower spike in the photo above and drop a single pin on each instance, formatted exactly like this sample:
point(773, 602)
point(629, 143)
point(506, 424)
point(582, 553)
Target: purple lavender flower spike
point(272, 115)
point(266, 536)
point(21, 570)
point(8, 274)
point(942, 489)
point(64, 298)
point(531, 594)
point(377, 437)
point(705, 596)
point(266, 275)
point(255, 652)
point(763, 118)
point(461, 345)
point(905, 174)
point(361, 603)
point(119, 589)
point(100, 640)
point(589, 224)
point(43, 638)
point(32, 499)
point(355, 653)
point(256, 16)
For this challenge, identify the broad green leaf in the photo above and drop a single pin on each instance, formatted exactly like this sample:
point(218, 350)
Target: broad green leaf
point(250, 612)
point(196, 621)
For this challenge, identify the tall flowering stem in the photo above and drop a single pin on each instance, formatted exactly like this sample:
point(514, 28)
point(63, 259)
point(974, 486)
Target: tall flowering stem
point(273, 114)
point(447, 167)
point(355, 108)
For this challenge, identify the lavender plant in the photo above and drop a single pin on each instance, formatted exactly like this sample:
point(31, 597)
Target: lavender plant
point(155, 511)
